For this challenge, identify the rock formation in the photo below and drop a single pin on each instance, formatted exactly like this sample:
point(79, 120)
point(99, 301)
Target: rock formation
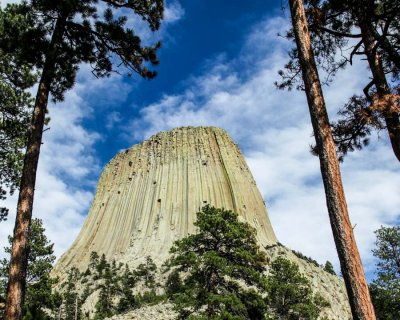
point(148, 196)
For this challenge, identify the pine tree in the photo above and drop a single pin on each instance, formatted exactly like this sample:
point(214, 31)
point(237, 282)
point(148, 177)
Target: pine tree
point(15, 109)
point(385, 289)
point(40, 262)
point(94, 260)
point(289, 293)
point(109, 287)
point(214, 265)
point(373, 27)
point(350, 262)
point(329, 268)
point(146, 272)
point(70, 296)
point(127, 298)
point(65, 34)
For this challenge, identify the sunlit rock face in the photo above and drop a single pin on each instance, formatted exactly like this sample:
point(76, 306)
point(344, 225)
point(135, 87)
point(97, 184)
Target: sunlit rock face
point(148, 196)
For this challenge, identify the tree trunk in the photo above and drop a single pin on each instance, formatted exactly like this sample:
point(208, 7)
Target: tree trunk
point(350, 262)
point(19, 252)
point(378, 74)
point(76, 308)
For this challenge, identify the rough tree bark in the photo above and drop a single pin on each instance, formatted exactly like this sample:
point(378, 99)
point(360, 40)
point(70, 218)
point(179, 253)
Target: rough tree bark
point(350, 262)
point(19, 252)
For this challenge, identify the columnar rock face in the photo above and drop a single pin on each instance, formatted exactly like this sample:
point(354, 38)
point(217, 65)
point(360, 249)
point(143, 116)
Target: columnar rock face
point(148, 196)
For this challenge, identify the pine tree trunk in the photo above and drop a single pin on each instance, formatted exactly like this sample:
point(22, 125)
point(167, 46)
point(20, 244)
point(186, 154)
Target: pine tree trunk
point(375, 63)
point(76, 307)
point(350, 262)
point(19, 252)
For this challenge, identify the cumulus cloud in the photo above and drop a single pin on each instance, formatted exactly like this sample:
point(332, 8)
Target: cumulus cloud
point(173, 12)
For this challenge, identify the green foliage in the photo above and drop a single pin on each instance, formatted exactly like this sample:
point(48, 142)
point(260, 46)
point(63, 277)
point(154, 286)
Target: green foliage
point(39, 284)
point(329, 268)
point(15, 108)
point(289, 293)
point(109, 287)
point(214, 263)
point(94, 260)
point(70, 296)
point(337, 39)
point(102, 265)
point(174, 285)
point(69, 33)
point(127, 298)
point(385, 289)
point(146, 272)
point(305, 258)
point(150, 298)
point(115, 285)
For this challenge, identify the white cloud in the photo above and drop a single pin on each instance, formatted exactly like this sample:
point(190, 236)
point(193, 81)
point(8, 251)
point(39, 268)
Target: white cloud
point(274, 131)
point(68, 162)
point(173, 12)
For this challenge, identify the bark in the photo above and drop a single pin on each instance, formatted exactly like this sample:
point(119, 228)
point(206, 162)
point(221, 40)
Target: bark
point(76, 308)
point(378, 74)
point(350, 262)
point(19, 252)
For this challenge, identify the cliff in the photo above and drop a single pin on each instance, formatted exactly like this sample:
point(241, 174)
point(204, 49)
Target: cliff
point(148, 196)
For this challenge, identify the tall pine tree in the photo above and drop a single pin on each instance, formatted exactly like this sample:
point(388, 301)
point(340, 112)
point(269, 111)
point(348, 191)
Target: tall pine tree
point(350, 262)
point(15, 107)
point(341, 30)
point(65, 34)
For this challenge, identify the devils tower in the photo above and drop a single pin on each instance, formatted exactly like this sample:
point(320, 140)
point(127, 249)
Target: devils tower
point(147, 197)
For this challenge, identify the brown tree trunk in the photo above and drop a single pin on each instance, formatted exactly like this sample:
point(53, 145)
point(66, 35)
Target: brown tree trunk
point(19, 252)
point(378, 74)
point(350, 262)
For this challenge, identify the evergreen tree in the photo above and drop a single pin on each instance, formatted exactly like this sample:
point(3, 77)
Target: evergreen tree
point(94, 260)
point(350, 262)
point(40, 263)
point(214, 264)
point(65, 34)
point(173, 285)
point(146, 272)
point(372, 25)
point(329, 268)
point(102, 265)
point(70, 296)
point(127, 299)
point(385, 289)
point(15, 109)
point(109, 288)
point(290, 294)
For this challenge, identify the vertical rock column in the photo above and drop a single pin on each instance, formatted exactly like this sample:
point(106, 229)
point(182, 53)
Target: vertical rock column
point(148, 196)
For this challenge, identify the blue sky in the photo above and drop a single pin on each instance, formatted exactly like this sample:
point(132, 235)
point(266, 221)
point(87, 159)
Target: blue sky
point(219, 61)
